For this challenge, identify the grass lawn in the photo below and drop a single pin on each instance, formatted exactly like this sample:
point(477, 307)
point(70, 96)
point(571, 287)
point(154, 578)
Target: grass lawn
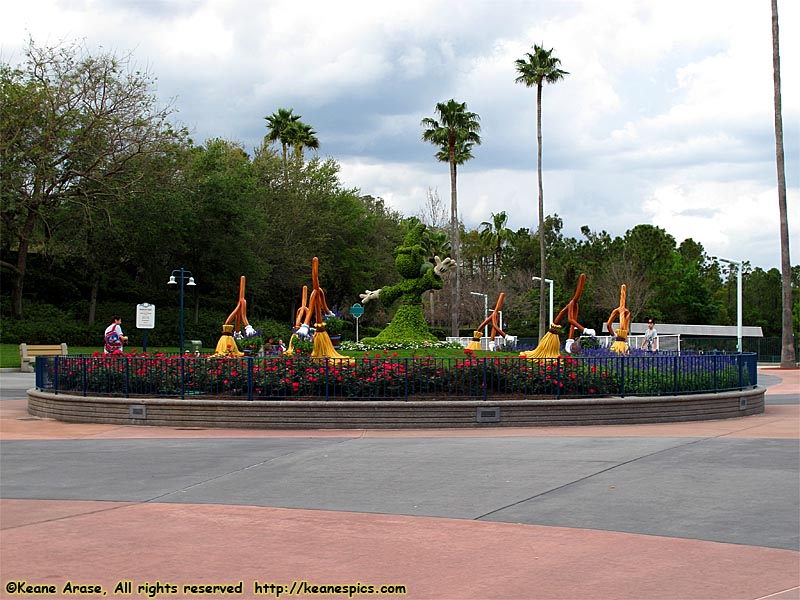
point(9, 353)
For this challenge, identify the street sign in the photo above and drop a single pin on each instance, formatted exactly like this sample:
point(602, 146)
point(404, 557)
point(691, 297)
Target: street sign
point(145, 316)
point(356, 310)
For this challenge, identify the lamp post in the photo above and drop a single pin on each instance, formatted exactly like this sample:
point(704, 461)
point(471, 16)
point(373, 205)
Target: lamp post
point(485, 311)
point(185, 276)
point(738, 265)
point(550, 281)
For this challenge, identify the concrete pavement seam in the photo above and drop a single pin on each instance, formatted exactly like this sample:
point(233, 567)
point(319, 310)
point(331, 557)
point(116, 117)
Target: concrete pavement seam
point(239, 470)
point(600, 472)
point(791, 589)
point(64, 517)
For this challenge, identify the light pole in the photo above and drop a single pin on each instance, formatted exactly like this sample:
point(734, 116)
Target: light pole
point(550, 281)
point(184, 275)
point(738, 265)
point(485, 311)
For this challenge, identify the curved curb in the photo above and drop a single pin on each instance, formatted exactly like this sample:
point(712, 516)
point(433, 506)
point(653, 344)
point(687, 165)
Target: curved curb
point(428, 414)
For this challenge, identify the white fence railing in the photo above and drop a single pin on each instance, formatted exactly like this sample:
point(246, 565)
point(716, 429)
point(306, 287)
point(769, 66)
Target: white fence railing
point(507, 343)
point(666, 342)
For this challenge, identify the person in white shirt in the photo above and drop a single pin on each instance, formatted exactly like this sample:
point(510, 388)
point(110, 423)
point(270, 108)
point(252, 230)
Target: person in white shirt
point(114, 339)
point(650, 341)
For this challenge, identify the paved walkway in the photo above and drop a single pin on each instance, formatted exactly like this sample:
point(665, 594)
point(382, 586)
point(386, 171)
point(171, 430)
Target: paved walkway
point(680, 510)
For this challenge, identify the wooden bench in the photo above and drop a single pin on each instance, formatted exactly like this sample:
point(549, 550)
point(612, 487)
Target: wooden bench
point(29, 352)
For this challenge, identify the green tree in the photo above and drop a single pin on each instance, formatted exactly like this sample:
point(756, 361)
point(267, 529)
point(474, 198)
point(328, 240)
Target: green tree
point(301, 136)
point(496, 235)
point(455, 132)
point(536, 69)
point(71, 126)
point(311, 213)
point(761, 300)
point(222, 233)
point(279, 129)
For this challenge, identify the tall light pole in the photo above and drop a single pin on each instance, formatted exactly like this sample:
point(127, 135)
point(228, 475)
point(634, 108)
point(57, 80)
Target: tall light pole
point(185, 276)
point(738, 265)
point(550, 281)
point(485, 311)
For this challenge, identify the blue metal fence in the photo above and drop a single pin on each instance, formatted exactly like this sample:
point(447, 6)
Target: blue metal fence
point(278, 378)
point(767, 349)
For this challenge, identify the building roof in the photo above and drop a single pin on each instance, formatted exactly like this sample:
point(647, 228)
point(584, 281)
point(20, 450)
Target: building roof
point(694, 330)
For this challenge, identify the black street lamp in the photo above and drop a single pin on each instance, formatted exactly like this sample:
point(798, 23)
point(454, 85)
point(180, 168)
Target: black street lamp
point(187, 279)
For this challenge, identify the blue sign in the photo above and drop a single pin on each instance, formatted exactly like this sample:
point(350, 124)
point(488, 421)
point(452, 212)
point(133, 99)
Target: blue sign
point(356, 310)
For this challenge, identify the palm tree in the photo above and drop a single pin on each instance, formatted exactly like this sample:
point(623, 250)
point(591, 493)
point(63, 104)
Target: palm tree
point(788, 358)
point(300, 135)
point(279, 124)
point(540, 67)
point(455, 133)
point(495, 235)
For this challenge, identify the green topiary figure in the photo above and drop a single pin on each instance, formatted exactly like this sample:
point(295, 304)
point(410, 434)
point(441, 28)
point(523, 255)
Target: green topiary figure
point(419, 276)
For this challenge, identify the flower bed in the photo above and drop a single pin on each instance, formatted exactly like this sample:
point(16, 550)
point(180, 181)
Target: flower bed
point(388, 377)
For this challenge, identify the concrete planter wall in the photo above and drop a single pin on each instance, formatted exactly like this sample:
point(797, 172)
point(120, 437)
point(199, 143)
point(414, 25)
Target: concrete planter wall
point(393, 414)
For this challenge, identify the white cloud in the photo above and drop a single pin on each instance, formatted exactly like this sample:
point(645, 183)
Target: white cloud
point(666, 116)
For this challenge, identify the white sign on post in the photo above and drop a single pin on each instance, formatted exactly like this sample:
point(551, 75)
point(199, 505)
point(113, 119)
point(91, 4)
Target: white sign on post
point(145, 316)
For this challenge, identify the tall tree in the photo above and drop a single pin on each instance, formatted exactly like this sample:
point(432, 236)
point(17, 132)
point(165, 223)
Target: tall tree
point(279, 128)
point(433, 213)
point(496, 235)
point(788, 358)
point(455, 132)
point(536, 69)
point(72, 125)
point(300, 136)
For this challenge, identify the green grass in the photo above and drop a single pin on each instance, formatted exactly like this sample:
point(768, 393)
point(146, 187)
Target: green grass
point(9, 353)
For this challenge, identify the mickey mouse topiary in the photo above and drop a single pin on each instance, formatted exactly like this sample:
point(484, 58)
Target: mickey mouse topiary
point(419, 276)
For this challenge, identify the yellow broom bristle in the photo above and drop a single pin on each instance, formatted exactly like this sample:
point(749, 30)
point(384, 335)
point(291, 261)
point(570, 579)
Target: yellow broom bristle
point(619, 347)
point(549, 347)
point(323, 347)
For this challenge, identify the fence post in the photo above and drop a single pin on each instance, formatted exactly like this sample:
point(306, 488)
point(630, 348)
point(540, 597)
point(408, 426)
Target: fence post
point(127, 376)
point(56, 367)
point(250, 378)
point(405, 379)
point(183, 379)
point(485, 383)
point(716, 368)
point(740, 364)
point(621, 361)
point(85, 376)
point(558, 377)
point(675, 374)
point(327, 375)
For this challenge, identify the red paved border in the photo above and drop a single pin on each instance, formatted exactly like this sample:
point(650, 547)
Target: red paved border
point(98, 542)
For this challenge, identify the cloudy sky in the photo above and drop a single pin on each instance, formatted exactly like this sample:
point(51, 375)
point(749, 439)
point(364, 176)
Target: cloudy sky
point(665, 118)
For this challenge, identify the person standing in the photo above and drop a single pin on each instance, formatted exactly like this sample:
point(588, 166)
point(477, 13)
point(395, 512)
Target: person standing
point(114, 338)
point(650, 341)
